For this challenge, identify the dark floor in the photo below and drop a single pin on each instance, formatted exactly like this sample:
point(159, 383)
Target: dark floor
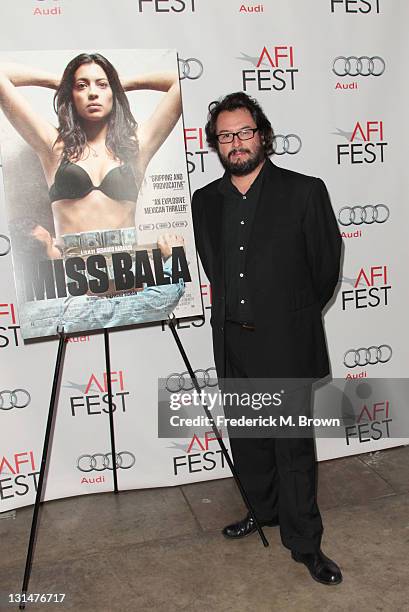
point(161, 549)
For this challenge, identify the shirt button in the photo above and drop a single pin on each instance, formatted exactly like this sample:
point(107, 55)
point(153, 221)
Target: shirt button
point(241, 274)
point(242, 222)
point(242, 301)
point(241, 248)
point(244, 198)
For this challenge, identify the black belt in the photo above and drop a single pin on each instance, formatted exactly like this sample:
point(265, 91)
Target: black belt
point(244, 325)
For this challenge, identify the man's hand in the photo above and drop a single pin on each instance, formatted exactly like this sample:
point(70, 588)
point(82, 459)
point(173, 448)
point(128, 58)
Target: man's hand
point(167, 241)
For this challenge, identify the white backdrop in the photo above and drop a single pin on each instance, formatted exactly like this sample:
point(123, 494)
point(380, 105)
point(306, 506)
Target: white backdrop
point(220, 44)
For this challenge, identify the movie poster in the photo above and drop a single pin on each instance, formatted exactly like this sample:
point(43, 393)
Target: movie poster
point(96, 187)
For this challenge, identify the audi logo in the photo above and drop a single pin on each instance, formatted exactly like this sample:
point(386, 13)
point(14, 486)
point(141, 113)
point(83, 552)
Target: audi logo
point(190, 68)
point(367, 356)
point(358, 66)
point(5, 245)
point(357, 215)
point(183, 382)
point(19, 398)
point(291, 144)
point(100, 462)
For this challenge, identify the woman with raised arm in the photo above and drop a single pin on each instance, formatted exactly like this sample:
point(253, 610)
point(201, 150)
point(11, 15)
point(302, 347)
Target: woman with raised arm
point(95, 160)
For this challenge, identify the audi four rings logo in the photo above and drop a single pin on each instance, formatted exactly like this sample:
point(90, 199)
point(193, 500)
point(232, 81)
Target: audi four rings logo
point(358, 66)
point(190, 68)
point(5, 245)
point(357, 215)
point(367, 356)
point(19, 398)
point(100, 462)
point(291, 144)
point(183, 382)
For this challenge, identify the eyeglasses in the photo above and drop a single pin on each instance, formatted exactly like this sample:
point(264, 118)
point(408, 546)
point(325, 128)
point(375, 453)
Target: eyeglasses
point(246, 134)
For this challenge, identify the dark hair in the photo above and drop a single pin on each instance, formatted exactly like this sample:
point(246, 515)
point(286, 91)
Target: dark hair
point(232, 102)
point(121, 140)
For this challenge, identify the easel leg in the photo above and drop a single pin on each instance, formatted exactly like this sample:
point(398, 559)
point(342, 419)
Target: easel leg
point(217, 433)
point(53, 400)
point(111, 408)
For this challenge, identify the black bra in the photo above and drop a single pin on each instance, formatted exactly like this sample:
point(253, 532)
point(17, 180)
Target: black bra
point(72, 182)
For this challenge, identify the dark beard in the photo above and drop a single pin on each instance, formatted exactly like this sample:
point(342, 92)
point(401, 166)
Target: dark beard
point(241, 168)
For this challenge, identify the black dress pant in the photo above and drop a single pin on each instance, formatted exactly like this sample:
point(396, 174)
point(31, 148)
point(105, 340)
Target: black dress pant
point(279, 474)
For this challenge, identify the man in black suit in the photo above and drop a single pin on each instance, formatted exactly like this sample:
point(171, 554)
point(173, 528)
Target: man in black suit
point(270, 246)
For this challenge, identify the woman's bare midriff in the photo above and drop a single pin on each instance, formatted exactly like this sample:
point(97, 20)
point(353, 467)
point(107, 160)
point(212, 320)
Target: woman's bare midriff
point(93, 212)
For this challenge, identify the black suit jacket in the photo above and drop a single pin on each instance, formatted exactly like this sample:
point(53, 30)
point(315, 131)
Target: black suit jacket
point(292, 267)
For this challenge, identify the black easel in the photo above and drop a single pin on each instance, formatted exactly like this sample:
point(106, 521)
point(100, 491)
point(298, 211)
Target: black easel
point(54, 393)
point(48, 439)
point(111, 409)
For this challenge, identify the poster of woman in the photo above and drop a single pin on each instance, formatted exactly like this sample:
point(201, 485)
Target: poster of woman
point(96, 187)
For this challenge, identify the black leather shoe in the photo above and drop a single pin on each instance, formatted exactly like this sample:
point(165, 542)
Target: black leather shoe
point(320, 567)
point(245, 527)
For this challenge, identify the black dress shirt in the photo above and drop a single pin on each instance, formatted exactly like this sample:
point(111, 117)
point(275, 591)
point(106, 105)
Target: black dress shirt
point(239, 210)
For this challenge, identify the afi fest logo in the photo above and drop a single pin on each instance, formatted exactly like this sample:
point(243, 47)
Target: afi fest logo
point(366, 356)
point(274, 69)
point(353, 66)
point(355, 217)
point(46, 8)
point(201, 455)
point(9, 328)
point(355, 7)
point(167, 6)
point(370, 289)
point(94, 398)
point(18, 475)
point(366, 144)
point(372, 423)
point(196, 149)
